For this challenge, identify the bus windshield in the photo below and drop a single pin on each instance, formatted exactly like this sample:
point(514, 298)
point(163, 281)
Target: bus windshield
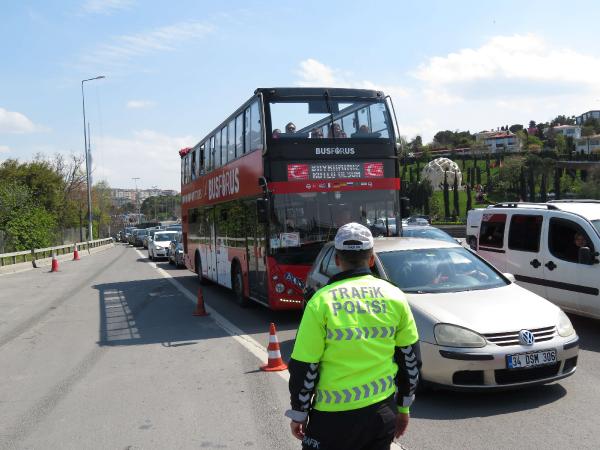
point(329, 119)
point(306, 220)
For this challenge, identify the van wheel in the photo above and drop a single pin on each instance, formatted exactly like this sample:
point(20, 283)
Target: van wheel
point(237, 282)
point(203, 281)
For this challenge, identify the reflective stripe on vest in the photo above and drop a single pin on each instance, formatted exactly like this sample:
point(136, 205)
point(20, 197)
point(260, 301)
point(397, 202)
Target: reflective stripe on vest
point(355, 393)
point(340, 334)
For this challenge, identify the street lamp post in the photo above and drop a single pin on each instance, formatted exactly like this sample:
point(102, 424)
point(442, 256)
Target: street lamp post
point(87, 158)
point(137, 199)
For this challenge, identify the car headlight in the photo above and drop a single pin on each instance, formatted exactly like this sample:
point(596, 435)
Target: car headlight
point(565, 327)
point(158, 247)
point(454, 336)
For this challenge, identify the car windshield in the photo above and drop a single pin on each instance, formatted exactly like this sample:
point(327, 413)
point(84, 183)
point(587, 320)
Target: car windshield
point(161, 237)
point(429, 233)
point(436, 270)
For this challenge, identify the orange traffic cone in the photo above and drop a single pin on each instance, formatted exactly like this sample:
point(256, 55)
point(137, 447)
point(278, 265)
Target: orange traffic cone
point(200, 310)
point(54, 263)
point(75, 254)
point(275, 363)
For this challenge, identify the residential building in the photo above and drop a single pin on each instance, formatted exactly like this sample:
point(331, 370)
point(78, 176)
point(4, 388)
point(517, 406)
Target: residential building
point(573, 131)
point(594, 114)
point(499, 141)
point(588, 144)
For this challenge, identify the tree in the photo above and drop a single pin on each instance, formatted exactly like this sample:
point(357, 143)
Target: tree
point(532, 124)
point(557, 175)
point(560, 144)
point(522, 186)
point(478, 174)
point(562, 120)
point(515, 128)
point(455, 195)
point(469, 199)
point(543, 195)
point(446, 196)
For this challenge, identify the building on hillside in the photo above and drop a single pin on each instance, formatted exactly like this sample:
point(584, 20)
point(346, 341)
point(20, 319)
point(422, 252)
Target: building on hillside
point(573, 131)
point(588, 144)
point(121, 197)
point(499, 141)
point(594, 114)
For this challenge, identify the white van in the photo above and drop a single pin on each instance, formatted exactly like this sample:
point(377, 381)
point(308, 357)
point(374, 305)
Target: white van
point(550, 248)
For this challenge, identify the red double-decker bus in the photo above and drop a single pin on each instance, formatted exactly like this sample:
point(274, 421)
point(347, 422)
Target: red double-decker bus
point(265, 189)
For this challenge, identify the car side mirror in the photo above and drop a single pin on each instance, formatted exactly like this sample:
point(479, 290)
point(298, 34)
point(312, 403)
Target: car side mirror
point(510, 277)
point(585, 256)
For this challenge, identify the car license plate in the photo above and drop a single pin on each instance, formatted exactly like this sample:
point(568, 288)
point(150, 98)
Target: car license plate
point(532, 359)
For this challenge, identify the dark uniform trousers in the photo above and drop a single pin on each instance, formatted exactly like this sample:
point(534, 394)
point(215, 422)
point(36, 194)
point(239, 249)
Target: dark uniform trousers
point(368, 428)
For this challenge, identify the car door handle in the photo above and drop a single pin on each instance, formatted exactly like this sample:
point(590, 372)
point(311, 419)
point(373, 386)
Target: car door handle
point(550, 265)
point(535, 263)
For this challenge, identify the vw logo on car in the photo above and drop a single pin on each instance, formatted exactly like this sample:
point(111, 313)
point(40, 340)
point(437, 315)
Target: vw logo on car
point(526, 337)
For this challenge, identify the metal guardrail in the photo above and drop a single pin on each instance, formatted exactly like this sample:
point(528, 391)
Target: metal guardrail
point(7, 259)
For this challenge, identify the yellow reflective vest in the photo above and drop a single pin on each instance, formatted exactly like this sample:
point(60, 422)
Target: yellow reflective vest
point(351, 328)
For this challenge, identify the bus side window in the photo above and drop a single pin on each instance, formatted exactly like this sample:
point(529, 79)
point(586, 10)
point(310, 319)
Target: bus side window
point(193, 165)
point(239, 135)
point(256, 134)
point(217, 152)
point(211, 154)
point(231, 141)
point(201, 157)
point(223, 146)
point(247, 130)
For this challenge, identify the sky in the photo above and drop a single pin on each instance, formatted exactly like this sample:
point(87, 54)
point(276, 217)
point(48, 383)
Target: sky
point(175, 70)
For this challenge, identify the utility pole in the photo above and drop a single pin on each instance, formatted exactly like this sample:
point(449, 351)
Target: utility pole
point(137, 199)
point(88, 168)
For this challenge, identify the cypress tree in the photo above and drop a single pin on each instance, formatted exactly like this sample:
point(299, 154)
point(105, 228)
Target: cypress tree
point(455, 187)
point(557, 177)
point(478, 172)
point(523, 186)
point(531, 185)
point(543, 195)
point(446, 196)
point(469, 201)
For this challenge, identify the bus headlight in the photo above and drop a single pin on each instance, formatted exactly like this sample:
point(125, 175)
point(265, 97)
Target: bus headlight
point(279, 288)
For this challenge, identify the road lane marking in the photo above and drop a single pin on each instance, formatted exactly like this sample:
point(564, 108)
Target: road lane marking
point(249, 343)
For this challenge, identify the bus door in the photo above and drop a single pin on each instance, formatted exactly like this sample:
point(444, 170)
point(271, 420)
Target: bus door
point(212, 248)
point(257, 255)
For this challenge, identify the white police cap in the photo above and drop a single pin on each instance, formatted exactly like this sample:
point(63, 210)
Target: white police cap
point(353, 236)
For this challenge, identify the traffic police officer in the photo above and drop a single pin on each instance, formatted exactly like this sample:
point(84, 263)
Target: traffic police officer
point(354, 367)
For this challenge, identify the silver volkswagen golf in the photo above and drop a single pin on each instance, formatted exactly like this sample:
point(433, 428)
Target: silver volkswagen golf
point(478, 329)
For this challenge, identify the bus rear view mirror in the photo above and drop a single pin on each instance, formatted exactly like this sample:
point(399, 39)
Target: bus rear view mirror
point(262, 210)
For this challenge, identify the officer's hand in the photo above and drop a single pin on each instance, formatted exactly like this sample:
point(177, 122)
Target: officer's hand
point(401, 424)
point(298, 429)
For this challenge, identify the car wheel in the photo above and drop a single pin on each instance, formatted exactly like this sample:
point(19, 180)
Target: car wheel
point(237, 282)
point(171, 261)
point(203, 281)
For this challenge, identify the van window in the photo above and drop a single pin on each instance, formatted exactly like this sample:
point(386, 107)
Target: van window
point(524, 234)
point(492, 230)
point(565, 238)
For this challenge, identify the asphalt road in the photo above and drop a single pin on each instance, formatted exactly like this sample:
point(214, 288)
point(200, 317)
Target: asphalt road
point(106, 355)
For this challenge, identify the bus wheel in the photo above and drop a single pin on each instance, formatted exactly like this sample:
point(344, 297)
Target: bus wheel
point(203, 281)
point(237, 281)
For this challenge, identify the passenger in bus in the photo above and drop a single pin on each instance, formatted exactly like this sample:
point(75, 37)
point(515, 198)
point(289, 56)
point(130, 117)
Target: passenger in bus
point(336, 131)
point(290, 128)
point(316, 133)
point(364, 129)
point(276, 133)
